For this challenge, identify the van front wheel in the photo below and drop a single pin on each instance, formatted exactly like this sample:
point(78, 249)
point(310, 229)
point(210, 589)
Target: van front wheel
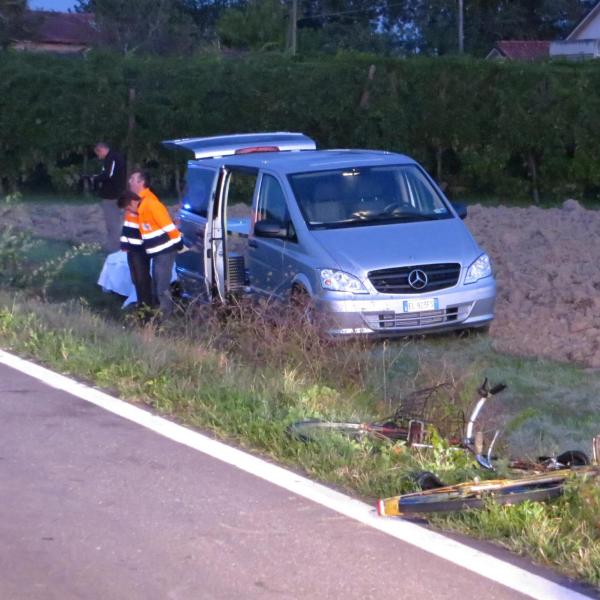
point(302, 305)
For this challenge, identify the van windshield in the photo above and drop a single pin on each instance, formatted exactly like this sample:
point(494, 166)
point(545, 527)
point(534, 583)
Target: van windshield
point(367, 196)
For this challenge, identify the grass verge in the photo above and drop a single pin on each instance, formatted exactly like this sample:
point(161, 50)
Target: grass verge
point(246, 376)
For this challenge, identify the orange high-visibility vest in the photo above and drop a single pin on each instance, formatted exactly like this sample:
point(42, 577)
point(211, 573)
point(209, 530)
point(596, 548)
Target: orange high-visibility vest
point(159, 234)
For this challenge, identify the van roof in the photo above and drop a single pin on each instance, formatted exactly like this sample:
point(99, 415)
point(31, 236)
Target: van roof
point(307, 160)
point(283, 151)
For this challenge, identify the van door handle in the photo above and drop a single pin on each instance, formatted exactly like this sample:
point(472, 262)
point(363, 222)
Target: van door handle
point(253, 244)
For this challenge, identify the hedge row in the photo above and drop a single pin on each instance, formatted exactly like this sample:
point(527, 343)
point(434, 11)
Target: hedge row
point(480, 127)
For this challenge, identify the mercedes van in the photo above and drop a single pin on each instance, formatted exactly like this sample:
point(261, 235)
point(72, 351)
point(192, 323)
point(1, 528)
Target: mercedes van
point(366, 236)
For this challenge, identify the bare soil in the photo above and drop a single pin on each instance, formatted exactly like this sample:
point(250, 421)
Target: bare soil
point(548, 272)
point(545, 260)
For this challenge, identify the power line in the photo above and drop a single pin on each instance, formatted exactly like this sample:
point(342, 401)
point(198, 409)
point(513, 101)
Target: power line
point(349, 12)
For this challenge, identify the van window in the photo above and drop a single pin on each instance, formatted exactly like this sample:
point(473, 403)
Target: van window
point(271, 201)
point(199, 188)
point(417, 192)
point(359, 196)
point(240, 192)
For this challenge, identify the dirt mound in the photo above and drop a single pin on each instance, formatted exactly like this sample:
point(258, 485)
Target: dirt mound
point(545, 260)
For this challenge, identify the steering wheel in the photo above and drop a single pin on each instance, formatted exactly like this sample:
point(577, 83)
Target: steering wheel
point(395, 208)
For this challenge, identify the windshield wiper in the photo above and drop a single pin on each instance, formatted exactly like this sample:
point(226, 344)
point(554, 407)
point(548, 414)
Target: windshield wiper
point(404, 217)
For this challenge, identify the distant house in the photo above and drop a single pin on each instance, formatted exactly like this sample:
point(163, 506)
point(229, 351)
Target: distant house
point(57, 32)
point(520, 50)
point(584, 41)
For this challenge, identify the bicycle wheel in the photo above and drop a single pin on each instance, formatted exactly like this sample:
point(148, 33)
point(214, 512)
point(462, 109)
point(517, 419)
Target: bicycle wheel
point(313, 429)
point(474, 495)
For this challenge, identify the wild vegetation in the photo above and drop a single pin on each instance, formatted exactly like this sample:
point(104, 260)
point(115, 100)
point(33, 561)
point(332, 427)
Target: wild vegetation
point(245, 376)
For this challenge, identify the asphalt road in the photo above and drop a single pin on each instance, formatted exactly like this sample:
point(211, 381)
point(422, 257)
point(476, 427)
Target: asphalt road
point(93, 506)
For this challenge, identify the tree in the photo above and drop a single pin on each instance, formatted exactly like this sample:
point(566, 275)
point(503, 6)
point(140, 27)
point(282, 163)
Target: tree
point(134, 26)
point(259, 25)
point(206, 13)
point(332, 25)
point(12, 20)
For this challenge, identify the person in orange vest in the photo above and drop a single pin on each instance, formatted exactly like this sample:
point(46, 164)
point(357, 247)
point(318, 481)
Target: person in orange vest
point(132, 243)
point(160, 239)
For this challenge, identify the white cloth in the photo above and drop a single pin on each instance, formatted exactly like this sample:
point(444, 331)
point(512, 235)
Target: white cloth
point(115, 277)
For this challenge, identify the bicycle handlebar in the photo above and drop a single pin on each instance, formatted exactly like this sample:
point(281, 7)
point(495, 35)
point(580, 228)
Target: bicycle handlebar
point(485, 391)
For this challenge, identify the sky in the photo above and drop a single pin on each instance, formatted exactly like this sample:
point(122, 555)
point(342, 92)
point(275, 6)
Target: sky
point(62, 5)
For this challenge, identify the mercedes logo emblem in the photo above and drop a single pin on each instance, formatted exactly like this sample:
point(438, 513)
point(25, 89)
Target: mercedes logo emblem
point(417, 279)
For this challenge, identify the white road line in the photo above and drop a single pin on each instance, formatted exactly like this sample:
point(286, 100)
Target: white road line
point(469, 558)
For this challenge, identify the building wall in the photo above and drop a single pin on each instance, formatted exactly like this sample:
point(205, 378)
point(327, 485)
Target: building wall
point(578, 50)
point(591, 31)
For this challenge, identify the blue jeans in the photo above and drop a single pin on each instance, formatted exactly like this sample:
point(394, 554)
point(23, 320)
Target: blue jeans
point(162, 268)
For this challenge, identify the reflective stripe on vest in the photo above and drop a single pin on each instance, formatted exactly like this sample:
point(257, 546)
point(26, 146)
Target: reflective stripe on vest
point(131, 238)
point(158, 243)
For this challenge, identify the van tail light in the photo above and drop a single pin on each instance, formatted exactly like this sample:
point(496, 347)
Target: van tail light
point(252, 149)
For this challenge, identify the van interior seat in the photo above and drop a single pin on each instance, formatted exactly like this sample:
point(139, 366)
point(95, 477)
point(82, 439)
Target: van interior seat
point(371, 197)
point(325, 205)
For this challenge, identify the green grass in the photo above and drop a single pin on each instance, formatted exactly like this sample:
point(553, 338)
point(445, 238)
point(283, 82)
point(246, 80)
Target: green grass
point(77, 278)
point(245, 378)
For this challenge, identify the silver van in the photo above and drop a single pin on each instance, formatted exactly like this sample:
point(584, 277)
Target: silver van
point(367, 236)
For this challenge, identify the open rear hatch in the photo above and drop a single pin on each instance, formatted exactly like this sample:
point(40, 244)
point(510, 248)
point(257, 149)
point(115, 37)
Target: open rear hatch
point(243, 143)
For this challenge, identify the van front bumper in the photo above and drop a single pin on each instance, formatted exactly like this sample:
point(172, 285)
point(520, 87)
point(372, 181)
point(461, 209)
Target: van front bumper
point(461, 307)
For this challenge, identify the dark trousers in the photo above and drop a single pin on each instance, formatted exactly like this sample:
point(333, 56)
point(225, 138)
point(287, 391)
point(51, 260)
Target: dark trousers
point(139, 267)
point(162, 269)
point(113, 219)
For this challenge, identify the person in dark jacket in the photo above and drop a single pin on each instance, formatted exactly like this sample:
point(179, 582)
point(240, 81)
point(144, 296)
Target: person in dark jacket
point(137, 259)
point(109, 184)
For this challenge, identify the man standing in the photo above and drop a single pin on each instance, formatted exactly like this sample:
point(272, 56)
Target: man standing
point(161, 240)
point(110, 184)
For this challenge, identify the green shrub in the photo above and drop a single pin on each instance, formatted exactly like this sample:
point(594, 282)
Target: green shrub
point(478, 126)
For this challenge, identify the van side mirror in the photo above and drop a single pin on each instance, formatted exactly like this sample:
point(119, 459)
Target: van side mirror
point(461, 209)
point(270, 229)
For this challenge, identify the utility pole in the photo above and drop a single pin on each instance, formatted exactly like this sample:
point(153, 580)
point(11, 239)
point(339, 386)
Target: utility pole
point(461, 27)
point(294, 24)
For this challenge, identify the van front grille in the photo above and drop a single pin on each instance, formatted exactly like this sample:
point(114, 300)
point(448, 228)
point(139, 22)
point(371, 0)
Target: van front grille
point(390, 321)
point(396, 280)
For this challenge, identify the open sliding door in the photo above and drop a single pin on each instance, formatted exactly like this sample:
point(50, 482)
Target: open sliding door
point(230, 225)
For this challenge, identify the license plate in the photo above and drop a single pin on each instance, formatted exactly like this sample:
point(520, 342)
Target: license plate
point(420, 305)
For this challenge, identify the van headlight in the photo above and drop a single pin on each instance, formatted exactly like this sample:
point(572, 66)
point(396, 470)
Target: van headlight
point(480, 269)
point(338, 281)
